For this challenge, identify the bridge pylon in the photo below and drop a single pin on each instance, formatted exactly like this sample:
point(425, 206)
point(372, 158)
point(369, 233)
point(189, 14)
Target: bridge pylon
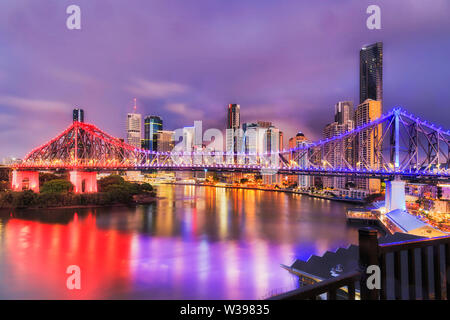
point(395, 197)
point(83, 181)
point(25, 180)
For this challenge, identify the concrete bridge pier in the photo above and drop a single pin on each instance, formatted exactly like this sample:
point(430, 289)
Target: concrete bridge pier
point(84, 181)
point(25, 180)
point(395, 197)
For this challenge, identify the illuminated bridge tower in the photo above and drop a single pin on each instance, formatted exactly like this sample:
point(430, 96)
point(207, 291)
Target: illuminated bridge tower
point(395, 197)
point(84, 181)
point(25, 180)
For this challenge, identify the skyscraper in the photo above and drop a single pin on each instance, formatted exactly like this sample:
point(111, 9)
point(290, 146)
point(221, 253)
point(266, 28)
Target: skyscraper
point(253, 137)
point(166, 140)
point(371, 72)
point(368, 152)
point(78, 115)
point(339, 155)
point(343, 112)
point(344, 117)
point(233, 132)
point(191, 138)
point(152, 124)
point(281, 143)
point(301, 159)
point(233, 116)
point(134, 128)
point(259, 139)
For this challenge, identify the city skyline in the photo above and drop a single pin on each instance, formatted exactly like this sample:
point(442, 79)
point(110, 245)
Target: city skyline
point(292, 86)
point(246, 139)
point(225, 150)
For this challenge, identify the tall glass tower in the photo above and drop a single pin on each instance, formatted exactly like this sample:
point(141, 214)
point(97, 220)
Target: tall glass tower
point(134, 129)
point(371, 72)
point(233, 142)
point(152, 125)
point(233, 116)
point(78, 115)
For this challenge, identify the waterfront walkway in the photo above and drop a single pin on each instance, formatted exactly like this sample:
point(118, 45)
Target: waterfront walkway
point(394, 221)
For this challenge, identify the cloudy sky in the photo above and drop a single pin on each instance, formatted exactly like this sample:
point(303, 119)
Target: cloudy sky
point(286, 61)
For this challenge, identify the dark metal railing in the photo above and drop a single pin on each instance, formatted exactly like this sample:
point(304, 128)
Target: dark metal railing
point(401, 265)
point(408, 261)
point(330, 287)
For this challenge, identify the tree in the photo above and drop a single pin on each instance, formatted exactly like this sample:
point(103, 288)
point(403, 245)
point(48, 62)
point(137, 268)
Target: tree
point(146, 187)
point(57, 186)
point(4, 174)
point(118, 193)
point(373, 197)
point(24, 199)
point(4, 185)
point(46, 176)
point(112, 179)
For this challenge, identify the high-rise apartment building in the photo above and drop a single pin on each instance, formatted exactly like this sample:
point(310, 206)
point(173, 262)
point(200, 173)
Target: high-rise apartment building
point(371, 72)
point(261, 139)
point(301, 159)
point(233, 132)
point(78, 115)
point(343, 112)
point(272, 146)
point(188, 139)
point(264, 124)
point(253, 141)
point(339, 154)
point(166, 140)
point(233, 116)
point(134, 129)
point(273, 142)
point(281, 143)
point(368, 152)
point(191, 138)
point(152, 124)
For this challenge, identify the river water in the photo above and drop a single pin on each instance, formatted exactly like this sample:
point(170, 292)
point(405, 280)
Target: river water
point(193, 243)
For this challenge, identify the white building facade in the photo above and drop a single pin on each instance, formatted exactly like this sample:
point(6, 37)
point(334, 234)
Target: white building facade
point(134, 133)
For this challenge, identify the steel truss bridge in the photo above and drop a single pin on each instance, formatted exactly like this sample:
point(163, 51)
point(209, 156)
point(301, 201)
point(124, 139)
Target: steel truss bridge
point(397, 144)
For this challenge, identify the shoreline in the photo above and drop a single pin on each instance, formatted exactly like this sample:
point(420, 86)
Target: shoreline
point(155, 198)
point(361, 202)
point(86, 206)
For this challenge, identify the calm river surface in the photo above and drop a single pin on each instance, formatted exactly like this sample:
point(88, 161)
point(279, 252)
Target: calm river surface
point(193, 243)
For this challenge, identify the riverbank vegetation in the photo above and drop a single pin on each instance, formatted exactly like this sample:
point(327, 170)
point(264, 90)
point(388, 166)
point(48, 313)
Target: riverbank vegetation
point(58, 192)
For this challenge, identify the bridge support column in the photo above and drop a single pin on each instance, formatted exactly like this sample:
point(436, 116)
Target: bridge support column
point(25, 180)
point(395, 197)
point(84, 181)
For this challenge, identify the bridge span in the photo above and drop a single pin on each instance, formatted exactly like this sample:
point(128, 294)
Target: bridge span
point(395, 147)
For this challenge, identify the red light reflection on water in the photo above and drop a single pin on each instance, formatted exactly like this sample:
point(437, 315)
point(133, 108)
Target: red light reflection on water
point(41, 253)
point(194, 243)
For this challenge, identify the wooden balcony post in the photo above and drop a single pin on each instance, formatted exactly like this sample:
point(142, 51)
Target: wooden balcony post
point(368, 255)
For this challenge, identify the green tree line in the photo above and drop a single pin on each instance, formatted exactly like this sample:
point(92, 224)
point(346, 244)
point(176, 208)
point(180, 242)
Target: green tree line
point(56, 191)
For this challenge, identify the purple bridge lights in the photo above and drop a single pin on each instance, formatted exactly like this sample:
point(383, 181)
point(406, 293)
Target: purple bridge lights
point(400, 145)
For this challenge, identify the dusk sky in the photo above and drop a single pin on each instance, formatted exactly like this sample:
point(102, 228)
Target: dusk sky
point(285, 61)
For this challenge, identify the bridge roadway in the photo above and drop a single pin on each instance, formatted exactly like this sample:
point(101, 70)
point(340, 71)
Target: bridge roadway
point(422, 176)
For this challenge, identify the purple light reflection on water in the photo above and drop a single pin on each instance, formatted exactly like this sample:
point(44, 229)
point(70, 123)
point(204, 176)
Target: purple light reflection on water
point(193, 243)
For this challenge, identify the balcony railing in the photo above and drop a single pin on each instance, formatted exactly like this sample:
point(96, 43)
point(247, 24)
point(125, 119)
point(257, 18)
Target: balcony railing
point(413, 270)
point(330, 287)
